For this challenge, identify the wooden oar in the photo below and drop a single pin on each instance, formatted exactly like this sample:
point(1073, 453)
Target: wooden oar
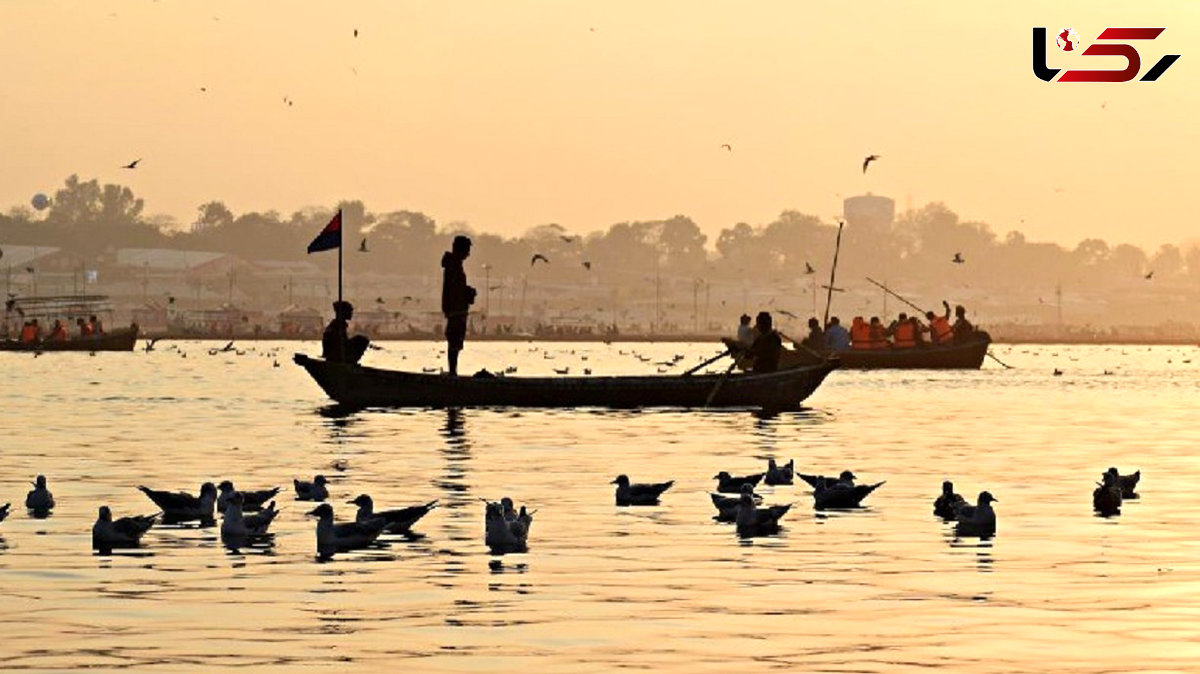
point(896, 295)
point(706, 363)
point(721, 382)
point(989, 353)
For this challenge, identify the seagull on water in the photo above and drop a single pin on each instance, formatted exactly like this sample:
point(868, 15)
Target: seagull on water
point(125, 532)
point(1106, 499)
point(958, 258)
point(727, 506)
point(1128, 483)
point(977, 520)
point(503, 535)
point(398, 521)
point(777, 474)
point(732, 484)
point(843, 493)
point(39, 501)
point(237, 526)
point(947, 503)
point(4, 511)
point(333, 538)
point(630, 494)
point(755, 521)
point(311, 491)
point(251, 500)
point(183, 507)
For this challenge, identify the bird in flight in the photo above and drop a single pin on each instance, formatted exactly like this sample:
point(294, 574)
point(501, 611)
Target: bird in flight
point(355, 32)
point(131, 165)
point(587, 265)
point(536, 257)
point(566, 238)
point(727, 146)
point(362, 247)
point(787, 313)
point(808, 269)
point(958, 258)
point(288, 100)
point(1150, 275)
point(870, 158)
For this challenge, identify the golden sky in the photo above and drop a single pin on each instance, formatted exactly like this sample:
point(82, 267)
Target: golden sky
point(509, 114)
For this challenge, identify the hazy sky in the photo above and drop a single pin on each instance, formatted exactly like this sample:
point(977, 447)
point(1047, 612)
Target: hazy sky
point(512, 114)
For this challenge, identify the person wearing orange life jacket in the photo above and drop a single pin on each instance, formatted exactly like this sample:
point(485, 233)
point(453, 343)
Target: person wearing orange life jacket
point(860, 334)
point(904, 333)
point(59, 333)
point(31, 332)
point(877, 334)
point(85, 329)
point(940, 330)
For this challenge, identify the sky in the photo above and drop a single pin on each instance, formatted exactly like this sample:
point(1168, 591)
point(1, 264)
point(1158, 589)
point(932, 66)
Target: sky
point(507, 115)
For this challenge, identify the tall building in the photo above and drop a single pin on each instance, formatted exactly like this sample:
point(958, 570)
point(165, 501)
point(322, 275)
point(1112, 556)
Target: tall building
point(869, 212)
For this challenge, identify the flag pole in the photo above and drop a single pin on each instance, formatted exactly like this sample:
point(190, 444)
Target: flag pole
point(341, 240)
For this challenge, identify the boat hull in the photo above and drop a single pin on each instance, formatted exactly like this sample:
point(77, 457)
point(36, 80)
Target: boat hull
point(358, 386)
point(967, 355)
point(119, 339)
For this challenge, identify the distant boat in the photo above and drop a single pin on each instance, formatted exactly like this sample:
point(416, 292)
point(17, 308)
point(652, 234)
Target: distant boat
point(964, 355)
point(66, 308)
point(358, 386)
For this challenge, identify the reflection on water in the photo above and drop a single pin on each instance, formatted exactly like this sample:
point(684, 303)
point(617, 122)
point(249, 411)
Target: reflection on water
point(602, 587)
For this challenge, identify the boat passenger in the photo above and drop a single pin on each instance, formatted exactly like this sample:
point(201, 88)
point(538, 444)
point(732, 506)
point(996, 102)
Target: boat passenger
point(31, 333)
point(816, 336)
point(877, 334)
point(962, 327)
point(337, 346)
point(836, 336)
point(85, 329)
point(457, 298)
point(59, 333)
point(745, 333)
point(940, 331)
point(767, 346)
point(904, 333)
point(860, 333)
point(97, 326)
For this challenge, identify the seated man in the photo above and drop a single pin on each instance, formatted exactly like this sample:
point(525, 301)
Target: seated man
point(837, 338)
point(767, 346)
point(336, 344)
point(59, 333)
point(816, 336)
point(745, 333)
point(962, 327)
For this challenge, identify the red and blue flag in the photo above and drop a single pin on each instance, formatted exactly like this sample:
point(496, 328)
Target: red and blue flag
point(330, 237)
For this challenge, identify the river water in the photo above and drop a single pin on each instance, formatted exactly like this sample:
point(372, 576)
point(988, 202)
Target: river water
point(887, 588)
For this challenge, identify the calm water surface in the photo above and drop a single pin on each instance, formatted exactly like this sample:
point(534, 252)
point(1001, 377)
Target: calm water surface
point(886, 589)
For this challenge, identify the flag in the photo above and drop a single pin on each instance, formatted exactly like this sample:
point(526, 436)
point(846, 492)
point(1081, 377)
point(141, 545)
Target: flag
point(330, 237)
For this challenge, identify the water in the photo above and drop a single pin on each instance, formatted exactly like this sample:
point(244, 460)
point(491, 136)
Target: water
point(885, 589)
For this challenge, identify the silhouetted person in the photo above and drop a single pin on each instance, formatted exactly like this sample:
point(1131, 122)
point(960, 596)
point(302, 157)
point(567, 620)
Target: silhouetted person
point(962, 327)
point(816, 336)
point(97, 326)
point(837, 338)
point(745, 333)
point(767, 346)
point(877, 334)
point(457, 298)
point(86, 329)
point(337, 346)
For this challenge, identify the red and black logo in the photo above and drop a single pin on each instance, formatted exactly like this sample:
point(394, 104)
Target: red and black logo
point(1068, 41)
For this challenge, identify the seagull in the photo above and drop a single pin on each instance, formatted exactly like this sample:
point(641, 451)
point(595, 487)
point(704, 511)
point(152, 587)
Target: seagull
point(639, 494)
point(204, 89)
point(958, 258)
point(536, 257)
point(150, 344)
point(40, 501)
point(333, 538)
point(777, 475)
point(502, 534)
point(727, 146)
point(183, 507)
point(808, 269)
point(397, 521)
point(587, 265)
point(311, 491)
point(1106, 499)
point(125, 532)
point(251, 500)
point(755, 521)
point(727, 506)
point(1149, 275)
point(948, 503)
point(4, 511)
point(870, 158)
point(1128, 483)
point(1057, 372)
point(787, 313)
point(729, 484)
point(131, 165)
point(977, 520)
point(566, 238)
point(843, 493)
point(236, 526)
point(362, 247)
point(355, 32)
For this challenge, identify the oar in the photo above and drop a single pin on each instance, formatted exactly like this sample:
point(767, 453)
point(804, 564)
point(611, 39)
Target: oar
point(706, 363)
point(818, 356)
point(989, 353)
point(721, 382)
point(896, 295)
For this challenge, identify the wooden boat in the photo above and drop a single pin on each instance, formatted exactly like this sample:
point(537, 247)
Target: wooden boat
point(358, 386)
point(965, 355)
point(120, 339)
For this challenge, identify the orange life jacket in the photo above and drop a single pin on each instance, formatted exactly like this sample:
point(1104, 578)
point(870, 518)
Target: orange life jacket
point(29, 333)
point(87, 330)
point(878, 336)
point(941, 331)
point(860, 334)
point(59, 334)
point(905, 335)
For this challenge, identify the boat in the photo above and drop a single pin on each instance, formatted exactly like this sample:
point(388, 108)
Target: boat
point(65, 308)
point(962, 355)
point(357, 386)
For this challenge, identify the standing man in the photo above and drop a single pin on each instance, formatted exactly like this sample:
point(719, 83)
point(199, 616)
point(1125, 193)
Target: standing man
point(457, 298)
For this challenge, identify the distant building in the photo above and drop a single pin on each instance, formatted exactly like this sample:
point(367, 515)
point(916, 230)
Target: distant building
point(869, 212)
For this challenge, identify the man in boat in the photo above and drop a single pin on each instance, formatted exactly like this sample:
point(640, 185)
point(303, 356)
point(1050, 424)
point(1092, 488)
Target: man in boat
point(815, 340)
point(31, 333)
point(767, 346)
point(904, 332)
point(837, 338)
point(457, 298)
point(940, 330)
point(59, 333)
point(337, 346)
point(877, 334)
point(745, 333)
point(860, 333)
point(85, 329)
point(97, 326)
point(962, 327)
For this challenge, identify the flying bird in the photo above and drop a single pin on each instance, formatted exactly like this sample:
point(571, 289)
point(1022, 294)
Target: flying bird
point(204, 89)
point(787, 313)
point(536, 257)
point(362, 247)
point(587, 265)
point(566, 238)
point(378, 300)
point(355, 32)
point(1149, 275)
point(727, 146)
point(131, 165)
point(808, 269)
point(870, 158)
point(958, 258)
